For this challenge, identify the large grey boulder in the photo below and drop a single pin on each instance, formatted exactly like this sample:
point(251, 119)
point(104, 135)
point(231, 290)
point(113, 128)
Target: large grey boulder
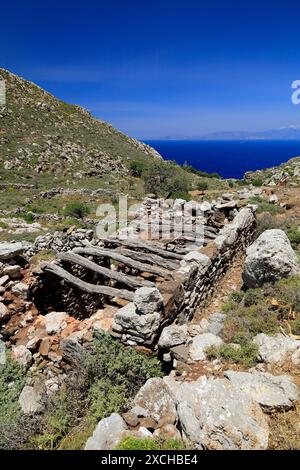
point(273, 393)
point(10, 250)
point(30, 400)
point(275, 349)
point(201, 343)
point(108, 433)
point(173, 335)
point(269, 259)
point(154, 400)
point(130, 321)
point(216, 415)
point(148, 300)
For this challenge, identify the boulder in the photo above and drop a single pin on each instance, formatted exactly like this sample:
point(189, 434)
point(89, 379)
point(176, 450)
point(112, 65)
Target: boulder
point(173, 335)
point(4, 313)
point(108, 433)
point(275, 349)
point(13, 271)
point(138, 325)
point(269, 259)
point(273, 393)
point(216, 415)
point(154, 400)
point(10, 250)
point(201, 343)
point(148, 300)
point(20, 289)
point(22, 356)
point(30, 400)
point(55, 322)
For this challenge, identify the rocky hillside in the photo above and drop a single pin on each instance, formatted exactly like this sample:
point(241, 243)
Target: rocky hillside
point(286, 174)
point(40, 134)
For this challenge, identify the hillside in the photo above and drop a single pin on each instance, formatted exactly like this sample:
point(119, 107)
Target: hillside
point(287, 174)
point(40, 134)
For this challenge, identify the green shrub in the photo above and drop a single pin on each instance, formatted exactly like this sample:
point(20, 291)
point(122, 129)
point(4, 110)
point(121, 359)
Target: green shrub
point(202, 186)
point(134, 443)
point(165, 179)
point(293, 234)
point(254, 297)
point(76, 209)
point(12, 379)
point(245, 354)
point(257, 182)
point(137, 167)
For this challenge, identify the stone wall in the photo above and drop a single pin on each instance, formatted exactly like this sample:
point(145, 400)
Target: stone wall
point(192, 286)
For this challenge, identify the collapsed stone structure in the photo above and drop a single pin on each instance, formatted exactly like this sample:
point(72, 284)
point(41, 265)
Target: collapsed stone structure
point(157, 274)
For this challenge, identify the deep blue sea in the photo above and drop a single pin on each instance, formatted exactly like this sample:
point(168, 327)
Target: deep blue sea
point(228, 158)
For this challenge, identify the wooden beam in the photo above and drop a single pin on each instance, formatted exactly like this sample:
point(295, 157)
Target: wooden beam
point(96, 251)
point(148, 258)
point(86, 286)
point(130, 281)
point(143, 245)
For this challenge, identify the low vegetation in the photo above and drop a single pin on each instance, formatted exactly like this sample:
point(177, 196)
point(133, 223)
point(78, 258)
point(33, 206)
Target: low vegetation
point(133, 443)
point(111, 375)
point(270, 310)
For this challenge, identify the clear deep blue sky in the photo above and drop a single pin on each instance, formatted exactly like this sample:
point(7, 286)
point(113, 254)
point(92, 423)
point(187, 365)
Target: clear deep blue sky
point(157, 68)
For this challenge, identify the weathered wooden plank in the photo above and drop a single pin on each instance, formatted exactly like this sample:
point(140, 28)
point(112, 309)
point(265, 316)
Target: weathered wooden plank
point(108, 253)
point(86, 286)
point(130, 281)
point(148, 258)
point(143, 245)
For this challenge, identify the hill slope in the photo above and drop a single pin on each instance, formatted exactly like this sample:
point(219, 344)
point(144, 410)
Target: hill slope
point(287, 173)
point(40, 134)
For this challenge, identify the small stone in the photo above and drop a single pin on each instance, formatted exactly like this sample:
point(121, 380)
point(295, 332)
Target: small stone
point(21, 289)
point(55, 322)
point(22, 356)
point(4, 280)
point(30, 400)
point(45, 347)
point(201, 343)
point(13, 271)
point(4, 313)
point(131, 419)
point(148, 300)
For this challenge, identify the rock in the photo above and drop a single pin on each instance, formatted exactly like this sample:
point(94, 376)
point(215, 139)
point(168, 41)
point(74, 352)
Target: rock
point(296, 357)
point(275, 349)
point(148, 300)
point(22, 356)
point(10, 250)
point(180, 353)
point(13, 271)
point(155, 399)
point(2, 353)
point(4, 313)
point(273, 393)
point(269, 259)
point(144, 326)
point(202, 261)
point(273, 199)
point(215, 415)
point(131, 419)
point(21, 290)
point(201, 343)
point(55, 322)
point(4, 280)
point(30, 400)
point(108, 433)
point(172, 335)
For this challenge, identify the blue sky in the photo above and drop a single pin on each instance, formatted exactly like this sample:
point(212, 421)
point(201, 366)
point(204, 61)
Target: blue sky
point(158, 68)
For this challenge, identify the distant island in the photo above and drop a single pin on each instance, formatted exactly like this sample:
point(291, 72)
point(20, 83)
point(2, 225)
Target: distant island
point(284, 133)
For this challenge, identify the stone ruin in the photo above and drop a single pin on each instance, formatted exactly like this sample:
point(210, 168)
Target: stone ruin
point(151, 277)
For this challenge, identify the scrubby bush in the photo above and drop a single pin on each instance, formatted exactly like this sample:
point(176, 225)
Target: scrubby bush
point(134, 443)
point(165, 179)
point(76, 209)
point(257, 182)
point(202, 186)
point(137, 167)
point(245, 353)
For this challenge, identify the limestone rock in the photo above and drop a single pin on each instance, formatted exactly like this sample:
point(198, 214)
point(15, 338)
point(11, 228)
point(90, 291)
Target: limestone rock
point(201, 343)
point(22, 356)
point(155, 399)
point(4, 313)
point(269, 259)
point(215, 415)
point(108, 433)
point(148, 300)
point(30, 400)
point(271, 392)
point(172, 335)
point(129, 320)
point(21, 289)
point(275, 349)
point(10, 250)
point(55, 322)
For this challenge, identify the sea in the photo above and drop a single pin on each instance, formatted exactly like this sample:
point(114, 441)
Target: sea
point(229, 158)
